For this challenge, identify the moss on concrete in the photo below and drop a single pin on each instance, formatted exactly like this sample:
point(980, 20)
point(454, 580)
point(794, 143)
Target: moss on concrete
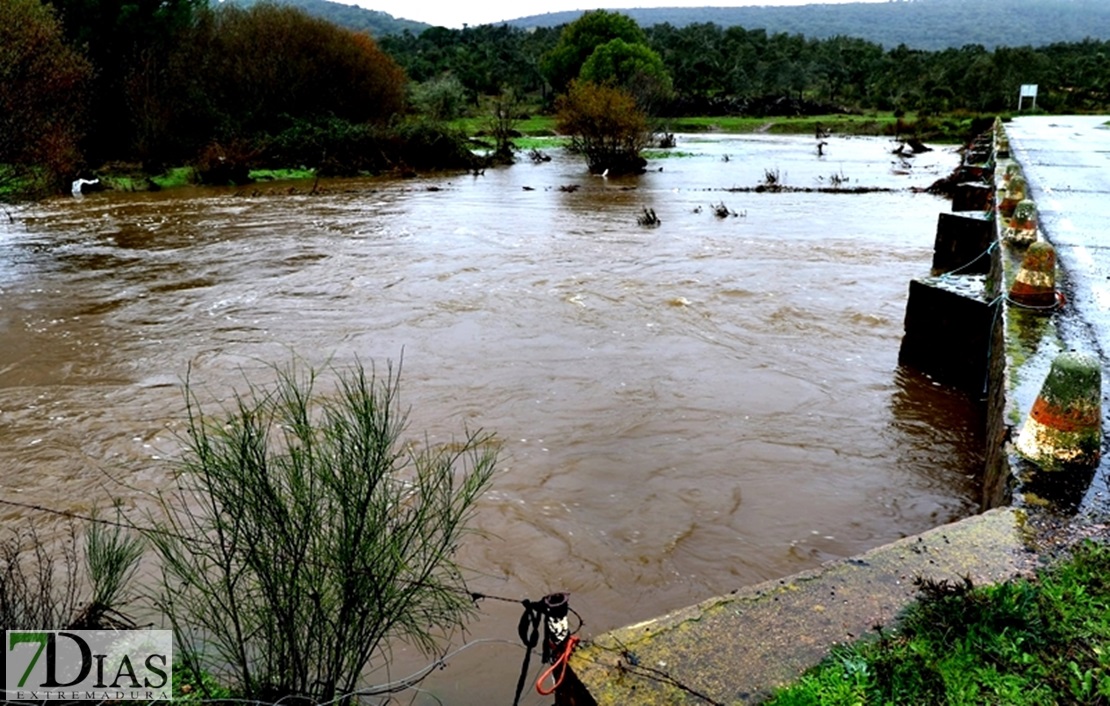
point(736, 648)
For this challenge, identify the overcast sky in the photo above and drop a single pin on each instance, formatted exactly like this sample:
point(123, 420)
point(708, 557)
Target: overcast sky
point(453, 13)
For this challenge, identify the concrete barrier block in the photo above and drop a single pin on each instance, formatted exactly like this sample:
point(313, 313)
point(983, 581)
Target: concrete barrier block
point(962, 242)
point(948, 330)
point(973, 196)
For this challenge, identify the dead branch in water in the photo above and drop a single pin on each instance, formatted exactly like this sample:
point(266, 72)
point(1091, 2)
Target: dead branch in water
point(648, 219)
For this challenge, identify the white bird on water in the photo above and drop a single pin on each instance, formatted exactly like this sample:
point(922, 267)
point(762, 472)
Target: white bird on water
point(80, 184)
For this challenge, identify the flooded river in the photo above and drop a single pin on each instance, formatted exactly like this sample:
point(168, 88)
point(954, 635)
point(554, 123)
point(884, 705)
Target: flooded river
point(684, 410)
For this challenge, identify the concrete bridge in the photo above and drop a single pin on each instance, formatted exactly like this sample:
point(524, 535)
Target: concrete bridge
point(735, 649)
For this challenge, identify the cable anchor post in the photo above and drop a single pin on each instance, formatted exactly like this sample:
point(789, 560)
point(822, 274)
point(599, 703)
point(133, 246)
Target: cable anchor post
point(558, 644)
point(556, 627)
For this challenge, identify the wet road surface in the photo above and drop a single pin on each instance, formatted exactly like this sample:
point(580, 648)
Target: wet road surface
point(1066, 161)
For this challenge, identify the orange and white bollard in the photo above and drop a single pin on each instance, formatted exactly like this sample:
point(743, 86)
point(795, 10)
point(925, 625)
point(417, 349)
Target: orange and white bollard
point(1035, 283)
point(1064, 428)
point(1016, 189)
point(1022, 227)
point(1001, 140)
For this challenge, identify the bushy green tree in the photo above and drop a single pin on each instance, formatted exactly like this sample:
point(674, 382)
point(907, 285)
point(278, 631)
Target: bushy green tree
point(580, 38)
point(632, 66)
point(440, 98)
point(485, 59)
point(43, 84)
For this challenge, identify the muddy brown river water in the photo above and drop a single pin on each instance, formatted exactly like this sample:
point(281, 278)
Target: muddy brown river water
point(684, 410)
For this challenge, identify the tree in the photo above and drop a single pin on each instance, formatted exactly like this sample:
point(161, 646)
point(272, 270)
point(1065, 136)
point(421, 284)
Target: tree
point(130, 43)
point(693, 55)
point(270, 63)
point(485, 59)
point(42, 90)
point(633, 67)
point(255, 83)
point(440, 98)
point(605, 125)
point(304, 534)
point(580, 38)
point(501, 120)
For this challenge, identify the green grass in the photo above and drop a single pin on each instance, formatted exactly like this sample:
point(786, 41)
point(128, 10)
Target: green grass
point(955, 127)
point(10, 186)
point(177, 176)
point(535, 126)
point(124, 177)
point(18, 184)
point(1028, 642)
point(544, 125)
point(950, 128)
point(666, 154)
point(132, 179)
point(282, 174)
point(197, 687)
point(839, 124)
point(540, 143)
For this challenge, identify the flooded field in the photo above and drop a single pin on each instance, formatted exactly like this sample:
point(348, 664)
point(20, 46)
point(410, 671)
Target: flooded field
point(684, 410)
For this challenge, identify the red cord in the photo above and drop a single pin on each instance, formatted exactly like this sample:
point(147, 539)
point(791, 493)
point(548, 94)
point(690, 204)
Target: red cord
point(564, 658)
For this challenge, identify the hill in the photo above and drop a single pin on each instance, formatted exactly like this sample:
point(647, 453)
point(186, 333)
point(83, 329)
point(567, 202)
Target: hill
point(376, 23)
point(919, 24)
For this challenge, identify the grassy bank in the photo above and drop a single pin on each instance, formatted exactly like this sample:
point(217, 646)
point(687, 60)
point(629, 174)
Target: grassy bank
point(125, 178)
point(954, 128)
point(839, 124)
point(538, 132)
point(535, 126)
point(1036, 641)
point(544, 125)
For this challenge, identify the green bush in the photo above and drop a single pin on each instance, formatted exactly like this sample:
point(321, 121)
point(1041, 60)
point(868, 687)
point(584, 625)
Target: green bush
point(304, 535)
point(605, 126)
point(441, 98)
point(333, 146)
point(423, 144)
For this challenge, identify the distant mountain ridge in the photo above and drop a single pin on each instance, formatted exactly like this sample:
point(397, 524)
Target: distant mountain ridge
point(374, 22)
point(919, 24)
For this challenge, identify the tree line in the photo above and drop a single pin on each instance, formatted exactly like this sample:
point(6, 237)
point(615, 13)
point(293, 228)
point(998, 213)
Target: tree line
point(709, 64)
point(919, 24)
point(222, 86)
